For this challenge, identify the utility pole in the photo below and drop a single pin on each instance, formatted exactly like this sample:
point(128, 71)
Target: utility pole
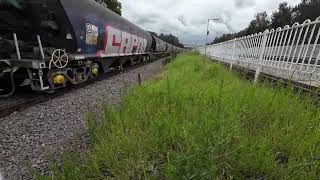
point(205, 46)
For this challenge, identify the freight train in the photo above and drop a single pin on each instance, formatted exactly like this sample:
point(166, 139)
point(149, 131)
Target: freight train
point(48, 44)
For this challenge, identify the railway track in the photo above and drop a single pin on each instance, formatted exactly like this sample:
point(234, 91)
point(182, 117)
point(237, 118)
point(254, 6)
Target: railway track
point(25, 98)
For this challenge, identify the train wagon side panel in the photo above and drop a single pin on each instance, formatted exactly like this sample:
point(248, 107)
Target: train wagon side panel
point(160, 45)
point(102, 33)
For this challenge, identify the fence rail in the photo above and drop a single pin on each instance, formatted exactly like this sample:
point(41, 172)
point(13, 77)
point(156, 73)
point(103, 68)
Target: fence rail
point(291, 52)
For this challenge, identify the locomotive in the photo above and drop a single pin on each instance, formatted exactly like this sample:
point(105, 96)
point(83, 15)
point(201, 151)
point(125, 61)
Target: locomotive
point(48, 44)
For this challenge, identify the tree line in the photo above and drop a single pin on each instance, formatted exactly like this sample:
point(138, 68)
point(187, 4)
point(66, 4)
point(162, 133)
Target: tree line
point(284, 15)
point(169, 38)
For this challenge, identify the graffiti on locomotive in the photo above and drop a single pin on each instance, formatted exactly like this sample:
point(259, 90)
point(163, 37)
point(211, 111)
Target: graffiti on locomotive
point(116, 42)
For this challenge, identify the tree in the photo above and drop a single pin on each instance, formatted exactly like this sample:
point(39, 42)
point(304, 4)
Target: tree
point(259, 24)
point(153, 33)
point(223, 38)
point(113, 5)
point(171, 39)
point(281, 17)
point(307, 9)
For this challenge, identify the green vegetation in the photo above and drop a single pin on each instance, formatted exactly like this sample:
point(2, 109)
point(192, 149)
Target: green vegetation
point(197, 120)
point(113, 5)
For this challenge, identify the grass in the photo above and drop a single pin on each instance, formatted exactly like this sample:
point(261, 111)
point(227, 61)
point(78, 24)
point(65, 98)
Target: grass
point(197, 120)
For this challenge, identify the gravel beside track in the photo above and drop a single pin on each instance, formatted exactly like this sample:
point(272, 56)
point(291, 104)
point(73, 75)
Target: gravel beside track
point(27, 137)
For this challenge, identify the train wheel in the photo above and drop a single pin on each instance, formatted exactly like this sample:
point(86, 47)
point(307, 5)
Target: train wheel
point(7, 86)
point(131, 61)
point(144, 59)
point(121, 69)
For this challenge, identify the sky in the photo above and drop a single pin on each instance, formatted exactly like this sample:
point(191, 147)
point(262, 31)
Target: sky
point(187, 19)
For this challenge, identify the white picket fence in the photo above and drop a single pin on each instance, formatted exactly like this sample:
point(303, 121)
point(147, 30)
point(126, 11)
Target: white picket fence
point(290, 52)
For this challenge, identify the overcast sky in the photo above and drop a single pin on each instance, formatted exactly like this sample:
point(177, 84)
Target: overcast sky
point(187, 19)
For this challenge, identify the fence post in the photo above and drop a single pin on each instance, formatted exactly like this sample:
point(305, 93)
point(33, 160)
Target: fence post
point(139, 79)
point(232, 57)
point(262, 50)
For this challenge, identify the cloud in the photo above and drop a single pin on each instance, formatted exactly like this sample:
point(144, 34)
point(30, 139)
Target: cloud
point(244, 3)
point(182, 20)
point(145, 20)
point(187, 19)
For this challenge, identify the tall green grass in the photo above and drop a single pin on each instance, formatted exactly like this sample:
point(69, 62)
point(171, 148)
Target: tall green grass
point(197, 120)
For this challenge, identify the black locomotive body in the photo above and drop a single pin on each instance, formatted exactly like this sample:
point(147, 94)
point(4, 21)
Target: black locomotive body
point(49, 43)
